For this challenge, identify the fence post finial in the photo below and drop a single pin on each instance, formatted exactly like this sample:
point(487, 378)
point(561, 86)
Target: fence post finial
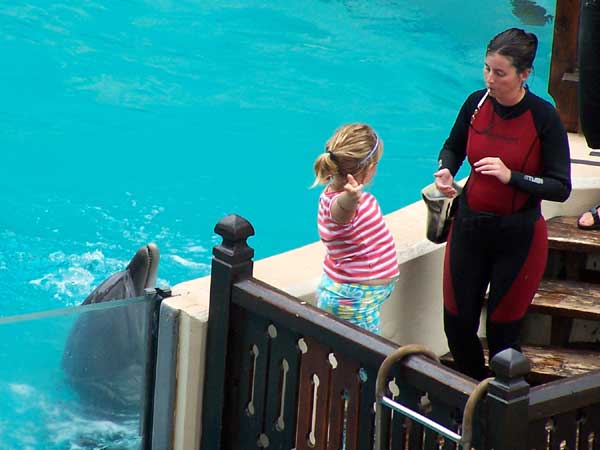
point(232, 261)
point(234, 230)
point(508, 400)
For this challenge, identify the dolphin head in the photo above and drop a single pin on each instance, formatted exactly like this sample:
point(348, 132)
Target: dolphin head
point(139, 274)
point(143, 268)
point(105, 351)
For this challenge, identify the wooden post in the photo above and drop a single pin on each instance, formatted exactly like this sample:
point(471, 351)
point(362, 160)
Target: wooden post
point(564, 75)
point(589, 72)
point(508, 400)
point(232, 261)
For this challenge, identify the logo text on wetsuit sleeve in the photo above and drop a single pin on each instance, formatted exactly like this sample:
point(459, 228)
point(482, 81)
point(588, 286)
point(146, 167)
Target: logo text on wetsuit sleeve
point(536, 180)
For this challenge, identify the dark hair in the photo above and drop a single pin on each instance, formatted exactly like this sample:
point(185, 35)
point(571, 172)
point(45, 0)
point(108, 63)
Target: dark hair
point(517, 45)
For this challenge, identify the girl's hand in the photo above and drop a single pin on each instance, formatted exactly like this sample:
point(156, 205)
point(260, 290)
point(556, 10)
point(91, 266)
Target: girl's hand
point(493, 166)
point(345, 204)
point(353, 189)
point(443, 181)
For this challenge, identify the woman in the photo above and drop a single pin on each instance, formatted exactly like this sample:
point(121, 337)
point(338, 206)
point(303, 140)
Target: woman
point(519, 155)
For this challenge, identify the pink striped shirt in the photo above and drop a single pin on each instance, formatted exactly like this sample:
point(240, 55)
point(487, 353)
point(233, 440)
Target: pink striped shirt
point(360, 250)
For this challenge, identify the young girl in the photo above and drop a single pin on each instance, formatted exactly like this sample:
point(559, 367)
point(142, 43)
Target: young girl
point(360, 265)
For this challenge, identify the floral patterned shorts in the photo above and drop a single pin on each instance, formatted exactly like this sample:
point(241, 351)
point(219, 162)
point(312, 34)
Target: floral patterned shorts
point(357, 303)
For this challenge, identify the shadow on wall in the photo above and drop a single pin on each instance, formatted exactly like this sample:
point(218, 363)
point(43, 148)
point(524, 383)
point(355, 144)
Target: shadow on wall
point(530, 13)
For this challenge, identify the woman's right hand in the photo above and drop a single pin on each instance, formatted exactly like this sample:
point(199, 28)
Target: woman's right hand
point(443, 181)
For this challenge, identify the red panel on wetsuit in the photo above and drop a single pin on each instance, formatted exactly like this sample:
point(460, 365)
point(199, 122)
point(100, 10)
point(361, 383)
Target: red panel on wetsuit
point(515, 141)
point(514, 304)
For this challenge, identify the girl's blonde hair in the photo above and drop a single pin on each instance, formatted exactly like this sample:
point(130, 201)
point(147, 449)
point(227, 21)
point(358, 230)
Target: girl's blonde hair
point(350, 150)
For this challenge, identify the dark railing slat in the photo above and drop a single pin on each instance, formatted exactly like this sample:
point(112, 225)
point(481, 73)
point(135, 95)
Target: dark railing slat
point(398, 430)
point(256, 338)
point(281, 430)
point(590, 428)
point(335, 433)
point(343, 404)
point(253, 347)
point(238, 367)
point(313, 363)
point(537, 435)
point(447, 417)
point(352, 413)
point(416, 435)
point(366, 415)
point(403, 429)
point(565, 430)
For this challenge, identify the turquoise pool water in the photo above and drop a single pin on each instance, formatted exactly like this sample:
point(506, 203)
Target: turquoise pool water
point(62, 392)
point(125, 122)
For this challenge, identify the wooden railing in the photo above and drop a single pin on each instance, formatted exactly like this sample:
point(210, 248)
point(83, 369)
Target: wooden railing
point(283, 374)
point(565, 414)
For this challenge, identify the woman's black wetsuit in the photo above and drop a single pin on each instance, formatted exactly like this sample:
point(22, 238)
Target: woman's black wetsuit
point(499, 236)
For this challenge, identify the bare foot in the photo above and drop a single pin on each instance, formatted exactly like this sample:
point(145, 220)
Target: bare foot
point(586, 219)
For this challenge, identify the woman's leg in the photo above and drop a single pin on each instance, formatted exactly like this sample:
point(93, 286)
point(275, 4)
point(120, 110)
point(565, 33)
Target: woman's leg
point(466, 276)
point(465, 345)
point(520, 263)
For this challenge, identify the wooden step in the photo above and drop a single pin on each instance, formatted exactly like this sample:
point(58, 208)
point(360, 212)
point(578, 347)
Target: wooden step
point(557, 362)
point(571, 299)
point(563, 234)
point(550, 363)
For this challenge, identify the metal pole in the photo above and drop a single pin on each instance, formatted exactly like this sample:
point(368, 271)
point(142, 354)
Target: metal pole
point(156, 296)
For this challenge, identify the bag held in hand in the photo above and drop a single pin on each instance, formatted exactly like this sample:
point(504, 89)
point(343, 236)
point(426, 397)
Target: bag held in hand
point(440, 211)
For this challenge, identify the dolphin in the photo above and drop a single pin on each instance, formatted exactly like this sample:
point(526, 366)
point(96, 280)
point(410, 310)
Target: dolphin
point(105, 353)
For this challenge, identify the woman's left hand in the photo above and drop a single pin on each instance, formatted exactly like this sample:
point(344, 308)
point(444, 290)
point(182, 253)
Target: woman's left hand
point(493, 166)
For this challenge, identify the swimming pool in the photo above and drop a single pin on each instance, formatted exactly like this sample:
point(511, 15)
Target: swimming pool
point(130, 122)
